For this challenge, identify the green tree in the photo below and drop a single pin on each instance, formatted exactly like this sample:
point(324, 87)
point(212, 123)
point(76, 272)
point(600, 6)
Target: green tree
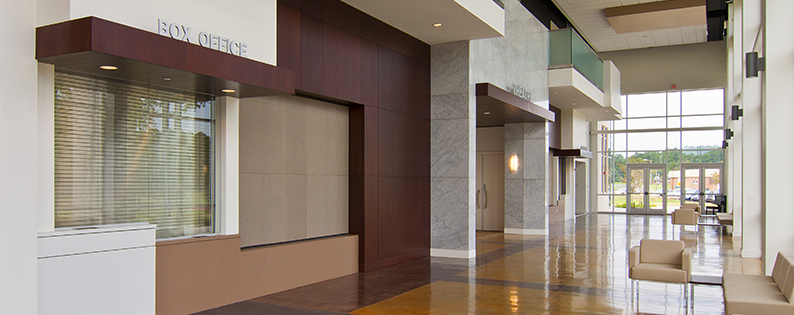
point(648, 157)
point(619, 169)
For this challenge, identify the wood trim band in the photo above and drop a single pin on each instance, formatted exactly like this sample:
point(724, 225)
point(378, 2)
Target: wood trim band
point(79, 44)
point(504, 107)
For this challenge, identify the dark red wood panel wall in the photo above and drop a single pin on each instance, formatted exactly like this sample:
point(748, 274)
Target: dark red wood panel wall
point(339, 52)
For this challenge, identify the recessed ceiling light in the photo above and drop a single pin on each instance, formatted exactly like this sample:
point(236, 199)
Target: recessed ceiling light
point(167, 79)
point(436, 24)
point(574, 104)
point(487, 113)
point(108, 67)
point(555, 93)
point(228, 91)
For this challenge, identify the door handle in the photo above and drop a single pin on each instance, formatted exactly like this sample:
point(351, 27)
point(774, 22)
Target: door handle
point(478, 199)
point(484, 197)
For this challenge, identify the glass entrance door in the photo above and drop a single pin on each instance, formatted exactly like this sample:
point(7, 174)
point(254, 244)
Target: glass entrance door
point(703, 185)
point(646, 193)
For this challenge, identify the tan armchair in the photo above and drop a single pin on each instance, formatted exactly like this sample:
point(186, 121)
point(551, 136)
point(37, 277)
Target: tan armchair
point(688, 214)
point(660, 260)
point(691, 206)
point(686, 217)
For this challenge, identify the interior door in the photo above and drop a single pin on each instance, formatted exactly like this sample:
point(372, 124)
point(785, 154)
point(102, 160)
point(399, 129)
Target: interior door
point(580, 187)
point(490, 192)
point(479, 180)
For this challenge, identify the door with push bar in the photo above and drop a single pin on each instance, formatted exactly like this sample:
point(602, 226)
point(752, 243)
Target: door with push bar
point(646, 191)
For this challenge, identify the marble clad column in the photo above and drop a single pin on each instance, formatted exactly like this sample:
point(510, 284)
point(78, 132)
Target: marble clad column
point(452, 151)
point(526, 204)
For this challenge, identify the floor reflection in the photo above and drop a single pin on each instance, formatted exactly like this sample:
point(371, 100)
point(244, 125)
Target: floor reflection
point(579, 268)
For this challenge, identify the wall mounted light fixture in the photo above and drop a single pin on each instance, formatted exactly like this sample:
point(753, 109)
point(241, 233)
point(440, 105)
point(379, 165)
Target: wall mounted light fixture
point(513, 163)
point(736, 112)
point(728, 134)
point(753, 64)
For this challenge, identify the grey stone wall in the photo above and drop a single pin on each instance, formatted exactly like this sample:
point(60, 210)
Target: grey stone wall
point(452, 148)
point(526, 190)
point(520, 58)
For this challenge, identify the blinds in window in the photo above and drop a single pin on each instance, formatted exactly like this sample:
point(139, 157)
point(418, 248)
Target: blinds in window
point(126, 153)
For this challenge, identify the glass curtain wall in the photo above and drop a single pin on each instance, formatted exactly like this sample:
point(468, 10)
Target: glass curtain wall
point(669, 128)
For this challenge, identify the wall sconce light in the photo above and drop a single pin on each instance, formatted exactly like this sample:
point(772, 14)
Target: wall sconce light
point(513, 163)
point(753, 64)
point(728, 134)
point(736, 112)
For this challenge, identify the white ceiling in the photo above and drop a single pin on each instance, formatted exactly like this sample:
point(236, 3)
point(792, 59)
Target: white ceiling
point(589, 18)
point(460, 19)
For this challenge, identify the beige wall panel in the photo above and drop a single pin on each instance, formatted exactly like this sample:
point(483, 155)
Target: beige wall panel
point(491, 139)
point(294, 169)
point(326, 195)
point(259, 153)
point(296, 153)
point(255, 195)
point(694, 66)
point(280, 204)
point(328, 139)
point(294, 223)
point(200, 274)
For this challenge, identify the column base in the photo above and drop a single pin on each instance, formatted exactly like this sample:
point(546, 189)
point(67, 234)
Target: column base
point(526, 231)
point(752, 253)
point(453, 253)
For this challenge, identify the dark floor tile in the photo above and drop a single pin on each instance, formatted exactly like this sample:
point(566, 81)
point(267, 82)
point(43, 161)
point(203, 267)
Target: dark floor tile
point(257, 308)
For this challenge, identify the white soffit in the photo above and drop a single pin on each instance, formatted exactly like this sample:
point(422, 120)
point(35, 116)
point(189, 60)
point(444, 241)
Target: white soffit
point(589, 17)
point(460, 19)
point(568, 89)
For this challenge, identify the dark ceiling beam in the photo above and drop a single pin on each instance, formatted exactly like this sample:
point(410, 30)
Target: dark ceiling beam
point(546, 12)
point(716, 15)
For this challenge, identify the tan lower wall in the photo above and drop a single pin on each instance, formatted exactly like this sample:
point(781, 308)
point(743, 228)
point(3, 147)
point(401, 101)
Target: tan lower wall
point(203, 273)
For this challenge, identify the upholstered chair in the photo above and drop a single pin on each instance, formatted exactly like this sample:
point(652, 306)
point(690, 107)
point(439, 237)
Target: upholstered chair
point(691, 205)
point(662, 261)
point(685, 217)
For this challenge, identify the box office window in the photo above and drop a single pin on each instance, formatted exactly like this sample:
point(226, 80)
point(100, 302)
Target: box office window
point(128, 153)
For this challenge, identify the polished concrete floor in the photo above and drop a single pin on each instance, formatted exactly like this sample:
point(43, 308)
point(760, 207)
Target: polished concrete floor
point(580, 268)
